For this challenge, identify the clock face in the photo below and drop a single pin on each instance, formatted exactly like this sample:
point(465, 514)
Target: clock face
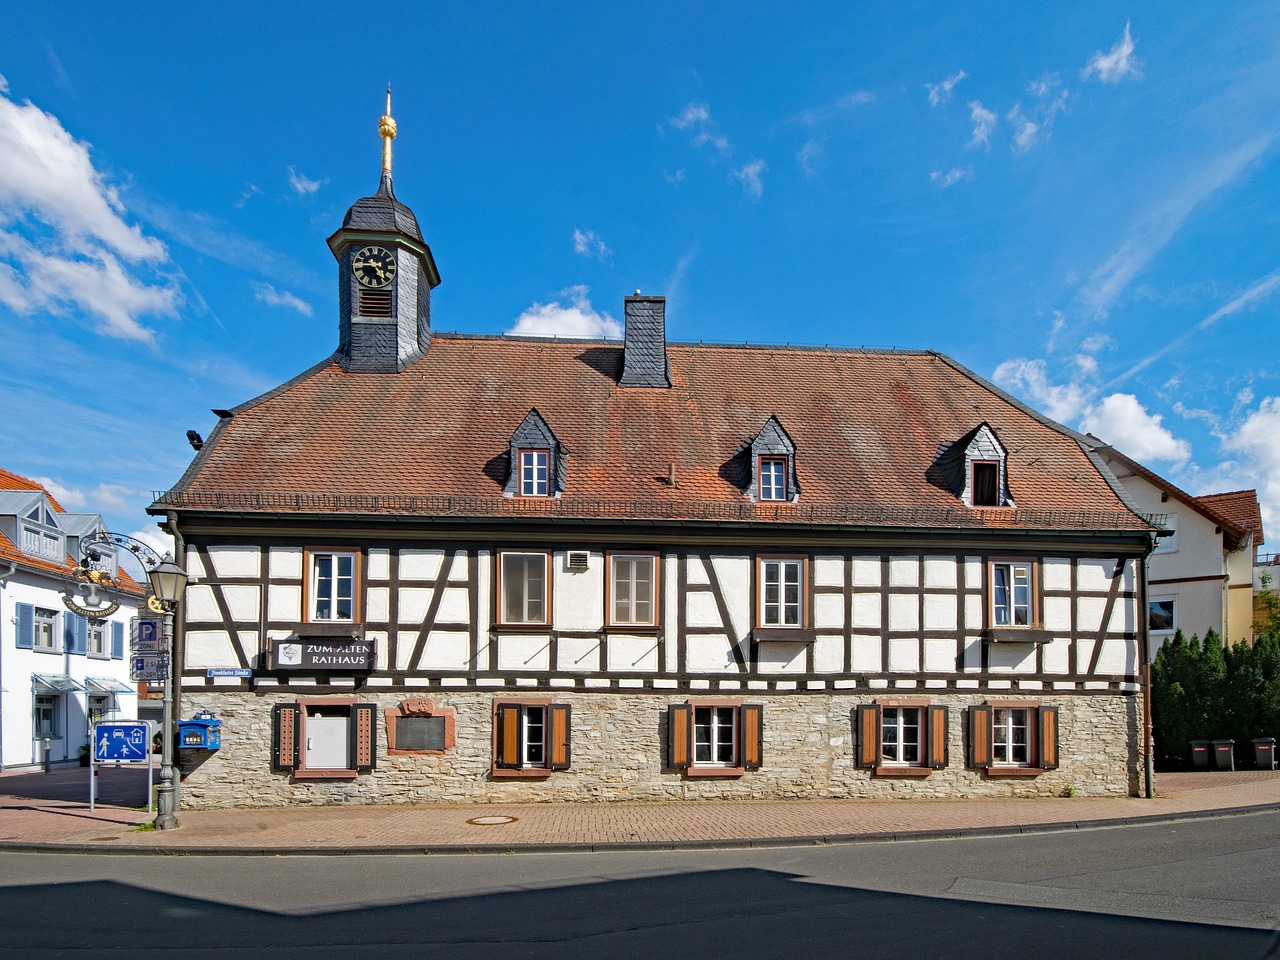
point(374, 266)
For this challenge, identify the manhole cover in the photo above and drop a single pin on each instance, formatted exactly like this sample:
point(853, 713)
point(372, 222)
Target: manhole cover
point(491, 821)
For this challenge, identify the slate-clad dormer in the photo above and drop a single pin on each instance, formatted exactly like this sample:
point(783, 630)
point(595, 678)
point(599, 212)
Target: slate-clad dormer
point(773, 465)
point(976, 466)
point(385, 276)
point(644, 356)
point(537, 460)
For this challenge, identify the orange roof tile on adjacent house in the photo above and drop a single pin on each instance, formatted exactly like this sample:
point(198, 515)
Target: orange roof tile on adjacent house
point(12, 481)
point(1240, 507)
point(868, 427)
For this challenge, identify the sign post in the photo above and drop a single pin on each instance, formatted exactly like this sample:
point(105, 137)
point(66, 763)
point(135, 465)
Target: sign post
point(117, 743)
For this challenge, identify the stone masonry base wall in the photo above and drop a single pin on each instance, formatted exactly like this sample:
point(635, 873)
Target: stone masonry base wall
point(618, 744)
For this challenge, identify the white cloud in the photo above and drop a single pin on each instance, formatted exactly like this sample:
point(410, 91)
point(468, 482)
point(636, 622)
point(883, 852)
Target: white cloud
point(303, 185)
point(808, 155)
point(984, 122)
point(1033, 125)
point(940, 93)
point(1117, 63)
point(577, 318)
point(1162, 224)
point(751, 175)
point(951, 177)
point(71, 499)
point(829, 111)
point(586, 243)
point(1030, 380)
point(115, 497)
point(250, 190)
point(674, 178)
point(1123, 422)
point(1026, 132)
point(4, 84)
point(1258, 440)
point(155, 538)
point(1096, 343)
point(696, 117)
point(1086, 364)
point(266, 293)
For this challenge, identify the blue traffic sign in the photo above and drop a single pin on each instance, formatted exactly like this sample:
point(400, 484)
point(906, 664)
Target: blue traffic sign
point(122, 742)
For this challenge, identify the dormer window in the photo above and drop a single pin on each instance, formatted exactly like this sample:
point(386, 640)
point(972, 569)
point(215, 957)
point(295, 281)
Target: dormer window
point(984, 482)
point(41, 536)
point(773, 465)
point(537, 460)
point(773, 478)
point(975, 468)
point(533, 473)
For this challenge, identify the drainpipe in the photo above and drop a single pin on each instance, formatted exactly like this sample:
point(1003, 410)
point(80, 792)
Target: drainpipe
point(1144, 658)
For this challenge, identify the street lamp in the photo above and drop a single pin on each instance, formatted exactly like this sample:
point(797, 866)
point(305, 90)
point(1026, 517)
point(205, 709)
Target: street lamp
point(168, 581)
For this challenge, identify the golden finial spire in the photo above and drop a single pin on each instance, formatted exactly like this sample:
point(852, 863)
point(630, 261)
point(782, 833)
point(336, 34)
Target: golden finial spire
point(387, 130)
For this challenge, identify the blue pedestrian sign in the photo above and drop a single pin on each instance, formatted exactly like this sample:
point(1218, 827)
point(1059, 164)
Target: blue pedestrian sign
point(122, 742)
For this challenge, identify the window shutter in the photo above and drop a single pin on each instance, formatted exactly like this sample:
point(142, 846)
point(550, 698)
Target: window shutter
point(558, 736)
point(284, 736)
point(868, 734)
point(981, 748)
point(364, 736)
point(935, 750)
point(752, 717)
point(117, 641)
point(75, 633)
point(679, 735)
point(510, 736)
point(1048, 719)
point(26, 626)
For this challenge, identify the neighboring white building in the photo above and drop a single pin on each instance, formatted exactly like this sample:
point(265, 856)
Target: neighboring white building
point(59, 672)
point(1200, 575)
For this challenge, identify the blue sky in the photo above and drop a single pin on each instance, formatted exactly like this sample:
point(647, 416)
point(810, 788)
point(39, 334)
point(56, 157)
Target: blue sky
point(1079, 202)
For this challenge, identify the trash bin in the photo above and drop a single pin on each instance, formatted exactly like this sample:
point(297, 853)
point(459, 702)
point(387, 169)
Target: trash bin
point(1224, 757)
point(1264, 753)
point(1200, 754)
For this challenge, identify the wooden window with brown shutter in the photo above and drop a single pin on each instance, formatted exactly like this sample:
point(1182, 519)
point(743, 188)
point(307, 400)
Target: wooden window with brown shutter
point(510, 746)
point(284, 736)
point(868, 734)
point(679, 735)
point(981, 747)
point(558, 736)
point(1047, 721)
point(752, 718)
point(935, 736)
point(364, 736)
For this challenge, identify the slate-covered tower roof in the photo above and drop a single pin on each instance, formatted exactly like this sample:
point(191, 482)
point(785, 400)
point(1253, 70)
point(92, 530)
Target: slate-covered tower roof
point(385, 276)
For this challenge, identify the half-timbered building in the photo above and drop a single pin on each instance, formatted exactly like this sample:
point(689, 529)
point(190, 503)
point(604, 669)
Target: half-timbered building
point(445, 567)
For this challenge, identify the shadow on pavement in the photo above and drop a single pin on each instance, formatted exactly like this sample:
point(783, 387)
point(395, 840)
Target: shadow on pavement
point(739, 913)
point(123, 786)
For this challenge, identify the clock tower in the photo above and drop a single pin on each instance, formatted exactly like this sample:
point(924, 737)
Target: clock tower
point(385, 277)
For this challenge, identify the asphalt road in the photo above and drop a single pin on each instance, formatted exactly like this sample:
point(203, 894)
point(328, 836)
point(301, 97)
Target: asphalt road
point(1205, 889)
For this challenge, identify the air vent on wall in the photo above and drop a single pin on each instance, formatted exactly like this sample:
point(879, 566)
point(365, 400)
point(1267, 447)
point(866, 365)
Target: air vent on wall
point(578, 560)
point(375, 303)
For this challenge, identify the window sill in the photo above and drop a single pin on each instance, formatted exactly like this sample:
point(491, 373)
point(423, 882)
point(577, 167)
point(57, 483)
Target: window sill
point(902, 771)
point(324, 774)
point(1011, 771)
point(722, 772)
point(782, 634)
point(99, 656)
point(47, 650)
point(1017, 635)
point(522, 627)
point(629, 628)
point(521, 773)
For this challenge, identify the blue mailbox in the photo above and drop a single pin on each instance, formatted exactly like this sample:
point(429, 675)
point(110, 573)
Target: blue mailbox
point(201, 732)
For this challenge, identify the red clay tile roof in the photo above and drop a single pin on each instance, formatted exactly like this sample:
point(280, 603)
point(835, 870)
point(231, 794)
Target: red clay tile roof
point(67, 568)
point(11, 481)
point(1240, 507)
point(868, 427)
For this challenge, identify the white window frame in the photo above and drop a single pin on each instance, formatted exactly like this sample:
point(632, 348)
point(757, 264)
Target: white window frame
point(624, 583)
point(105, 701)
point(43, 617)
point(535, 472)
point(715, 736)
point(333, 595)
point(773, 488)
point(507, 568)
point(1005, 723)
point(894, 752)
point(1173, 615)
point(52, 704)
point(773, 604)
point(1012, 605)
point(98, 641)
point(533, 722)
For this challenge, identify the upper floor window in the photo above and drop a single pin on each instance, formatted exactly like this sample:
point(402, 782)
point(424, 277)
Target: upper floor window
point(333, 586)
point(773, 478)
point(44, 633)
point(1162, 614)
point(98, 640)
point(1168, 544)
point(781, 592)
point(1012, 594)
point(633, 590)
point(975, 466)
point(522, 589)
point(534, 473)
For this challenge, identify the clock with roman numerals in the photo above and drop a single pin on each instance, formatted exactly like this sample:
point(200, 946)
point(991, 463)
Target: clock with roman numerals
point(374, 266)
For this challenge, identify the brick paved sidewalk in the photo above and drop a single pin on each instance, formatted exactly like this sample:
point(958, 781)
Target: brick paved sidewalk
point(42, 810)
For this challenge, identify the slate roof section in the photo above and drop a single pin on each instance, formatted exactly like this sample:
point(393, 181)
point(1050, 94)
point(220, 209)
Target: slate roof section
point(433, 440)
point(1240, 507)
point(382, 211)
